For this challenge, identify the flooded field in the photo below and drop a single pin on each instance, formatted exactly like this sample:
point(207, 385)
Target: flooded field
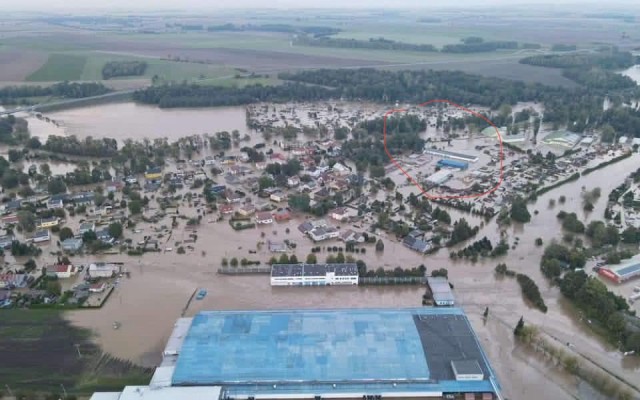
point(147, 304)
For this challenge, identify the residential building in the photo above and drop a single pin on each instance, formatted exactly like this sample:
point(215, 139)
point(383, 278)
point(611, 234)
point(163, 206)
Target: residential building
point(12, 281)
point(314, 274)
point(103, 270)
point(41, 236)
point(351, 236)
point(247, 210)
point(282, 215)
point(293, 181)
point(47, 223)
point(98, 287)
point(6, 240)
point(264, 218)
point(278, 196)
point(104, 236)
point(11, 206)
point(72, 244)
point(61, 271)
point(277, 247)
point(153, 174)
point(86, 227)
point(10, 219)
point(321, 233)
point(340, 214)
point(226, 209)
point(55, 203)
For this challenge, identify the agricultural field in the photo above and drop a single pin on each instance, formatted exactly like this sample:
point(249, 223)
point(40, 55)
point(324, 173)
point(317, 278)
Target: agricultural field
point(60, 67)
point(38, 352)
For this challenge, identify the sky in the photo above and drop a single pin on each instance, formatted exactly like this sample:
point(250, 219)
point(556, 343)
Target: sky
point(78, 5)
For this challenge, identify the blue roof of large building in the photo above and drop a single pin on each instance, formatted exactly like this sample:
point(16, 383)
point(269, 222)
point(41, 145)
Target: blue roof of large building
point(310, 351)
point(453, 163)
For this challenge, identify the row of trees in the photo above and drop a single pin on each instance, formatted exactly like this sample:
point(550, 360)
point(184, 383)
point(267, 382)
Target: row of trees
point(608, 58)
point(104, 147)
point(557, 258)
point(123, 68)
point(10, 94)
point(372, 44)
point(599, 304)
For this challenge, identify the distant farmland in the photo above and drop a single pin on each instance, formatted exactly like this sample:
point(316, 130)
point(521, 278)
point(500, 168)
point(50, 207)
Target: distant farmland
point(60, 67)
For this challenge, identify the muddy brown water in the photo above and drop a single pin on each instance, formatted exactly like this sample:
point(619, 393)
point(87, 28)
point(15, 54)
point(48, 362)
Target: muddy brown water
point(149, 302)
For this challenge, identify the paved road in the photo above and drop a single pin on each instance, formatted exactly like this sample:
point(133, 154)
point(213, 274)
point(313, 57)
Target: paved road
point(36, 107)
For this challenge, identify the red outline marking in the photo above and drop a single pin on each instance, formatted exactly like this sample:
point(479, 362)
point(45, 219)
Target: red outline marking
point(422, 190)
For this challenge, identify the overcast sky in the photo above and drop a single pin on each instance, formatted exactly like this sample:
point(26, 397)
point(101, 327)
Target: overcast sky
point(116, 5)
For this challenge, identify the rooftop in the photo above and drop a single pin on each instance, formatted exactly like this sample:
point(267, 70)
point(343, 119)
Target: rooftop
point(628, 269)
point(313, 269)
point(313, 351)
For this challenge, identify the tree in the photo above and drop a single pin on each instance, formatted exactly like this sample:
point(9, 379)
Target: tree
point(293, 259)
point(45, 169)
point(115, 230)
point(225, 262)
point(30, 265)
point(265, 182)
point(299, 202)
point(56, 185)
point(89, 236)
point(26, 220)
point(54, 287)
point(311, 259)
point(539, 242)
point(486, 312)
point(518, 329)
point(283, 259)
point(519, 212)
point(234, 262)
point(379, 246)
point(65, 233)
point(135, 207)
point(340, 258)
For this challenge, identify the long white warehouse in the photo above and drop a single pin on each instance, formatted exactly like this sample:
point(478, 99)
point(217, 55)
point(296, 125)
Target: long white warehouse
point(314, 274)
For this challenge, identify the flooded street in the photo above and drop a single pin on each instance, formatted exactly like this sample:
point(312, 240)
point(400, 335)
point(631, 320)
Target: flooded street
point(161, 284)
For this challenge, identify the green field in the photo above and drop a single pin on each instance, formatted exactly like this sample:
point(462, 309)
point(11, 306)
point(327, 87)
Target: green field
point(38, 351)
point(60, 67)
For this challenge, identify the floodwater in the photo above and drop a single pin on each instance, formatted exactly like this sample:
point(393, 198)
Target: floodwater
point(633, 73)
point(149, 302)
point(130, 120)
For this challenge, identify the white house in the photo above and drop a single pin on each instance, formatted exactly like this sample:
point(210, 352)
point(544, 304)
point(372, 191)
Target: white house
point(340, 214)
point(293, 181)
point(340, 168)
point(41, 236)
point(351, 236)
point(103, 270)
point(98, 287)
point(264, 218)
point(278, 197)
point(321, 233)
point(314, 274)
point(61, 271)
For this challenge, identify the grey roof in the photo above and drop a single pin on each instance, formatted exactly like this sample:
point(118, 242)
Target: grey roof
point(313, 269)
point(466, 367)
point(446, 338)
point(440, 289)
point(305, 227)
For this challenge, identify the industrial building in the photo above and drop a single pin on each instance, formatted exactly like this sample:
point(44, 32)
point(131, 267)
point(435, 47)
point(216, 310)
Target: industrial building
point(314, 274)
point(621, 273)
point(428, 353)
point(562, 138)
point(451, 155)
point(446, 163)
point(440, 177)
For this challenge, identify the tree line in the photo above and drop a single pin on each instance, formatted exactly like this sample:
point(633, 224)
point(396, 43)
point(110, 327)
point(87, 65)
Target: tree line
point(12, 94)
point(372, 44)
point(105, 147)
point(316, 31)
point(607, 58)
point(123, 68)
point(580, 107)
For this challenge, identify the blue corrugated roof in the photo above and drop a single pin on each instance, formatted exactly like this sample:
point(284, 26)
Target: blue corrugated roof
point(628, 270)
point(307, 351)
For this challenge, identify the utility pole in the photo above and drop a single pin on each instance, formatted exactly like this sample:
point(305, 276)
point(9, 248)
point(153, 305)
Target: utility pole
point(78, 348)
